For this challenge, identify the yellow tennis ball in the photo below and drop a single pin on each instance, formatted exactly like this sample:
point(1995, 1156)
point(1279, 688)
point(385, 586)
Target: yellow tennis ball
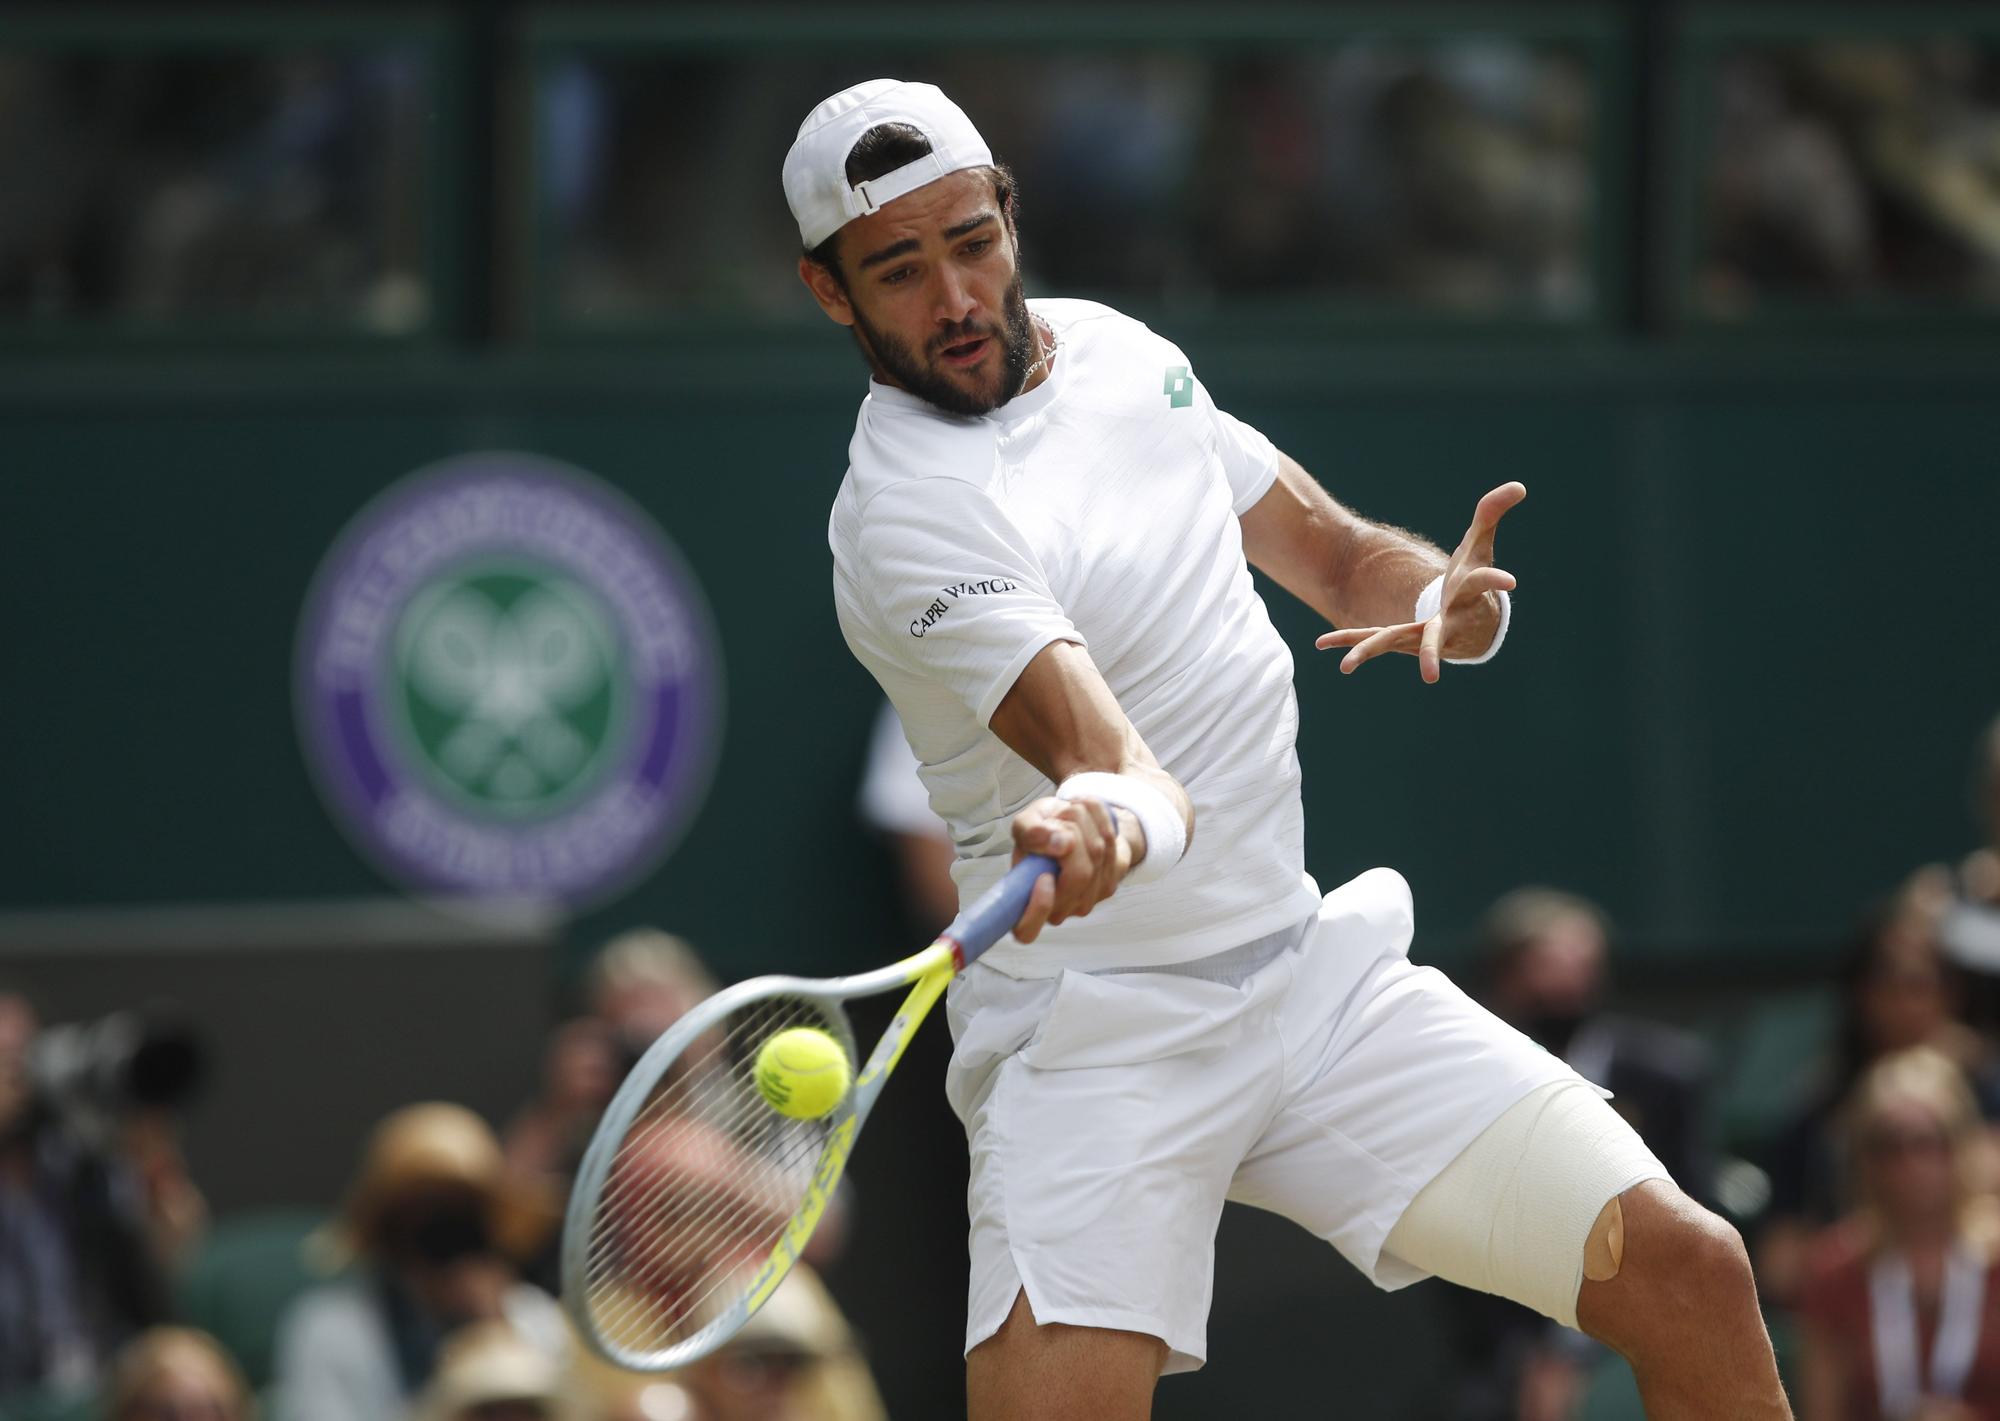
point(802, 1073)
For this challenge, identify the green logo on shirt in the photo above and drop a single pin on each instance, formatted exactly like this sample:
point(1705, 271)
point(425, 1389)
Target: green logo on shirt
point(1180, 387)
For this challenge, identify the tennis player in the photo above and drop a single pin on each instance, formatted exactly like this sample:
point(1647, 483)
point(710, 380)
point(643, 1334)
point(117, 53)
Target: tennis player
point(1040, 552)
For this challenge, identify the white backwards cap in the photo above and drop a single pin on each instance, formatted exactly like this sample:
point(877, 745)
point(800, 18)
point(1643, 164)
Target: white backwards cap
point(816, 169)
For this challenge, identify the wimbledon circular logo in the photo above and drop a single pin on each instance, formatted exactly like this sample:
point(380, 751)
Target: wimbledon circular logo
point(507, 682)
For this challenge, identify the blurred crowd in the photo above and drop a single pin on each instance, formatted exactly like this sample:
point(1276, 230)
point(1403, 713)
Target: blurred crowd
point(201, 189)
point(1855, 169)
point(1872, 1205)
point(1453, 174)
point(426, 1296)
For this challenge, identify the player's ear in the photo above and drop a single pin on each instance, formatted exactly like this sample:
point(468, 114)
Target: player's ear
point(828, 290)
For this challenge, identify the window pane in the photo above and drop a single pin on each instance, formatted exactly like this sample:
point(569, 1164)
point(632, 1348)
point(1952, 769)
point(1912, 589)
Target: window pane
point(1851, 173)
point(1419, 177)
point(215, 191)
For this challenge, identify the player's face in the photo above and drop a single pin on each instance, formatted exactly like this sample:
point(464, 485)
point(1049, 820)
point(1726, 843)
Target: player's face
point(933, 294)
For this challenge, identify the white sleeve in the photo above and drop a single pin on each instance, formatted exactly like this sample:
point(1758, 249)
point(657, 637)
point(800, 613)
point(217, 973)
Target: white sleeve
point(1249, 460)
point(893, 798)
point(956, 590)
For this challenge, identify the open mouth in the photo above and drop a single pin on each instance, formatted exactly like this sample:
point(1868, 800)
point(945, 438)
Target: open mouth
point(966, 352)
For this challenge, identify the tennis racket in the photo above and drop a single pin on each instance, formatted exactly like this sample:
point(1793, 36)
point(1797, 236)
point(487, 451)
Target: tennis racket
point(695, 1197)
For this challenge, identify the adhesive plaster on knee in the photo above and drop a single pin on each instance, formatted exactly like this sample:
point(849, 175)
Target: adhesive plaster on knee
point(1604, 1250)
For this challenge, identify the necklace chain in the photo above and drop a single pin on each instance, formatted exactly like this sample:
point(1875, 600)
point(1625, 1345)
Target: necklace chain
point(1044, 353)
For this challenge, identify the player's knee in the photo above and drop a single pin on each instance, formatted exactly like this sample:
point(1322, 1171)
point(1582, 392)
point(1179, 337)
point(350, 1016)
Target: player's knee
point(1684, 1249)
point(1672, 1258)
point(1719, 1259)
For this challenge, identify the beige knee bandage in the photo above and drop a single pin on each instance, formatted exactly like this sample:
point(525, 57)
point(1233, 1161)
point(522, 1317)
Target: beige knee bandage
point(1530, 1208)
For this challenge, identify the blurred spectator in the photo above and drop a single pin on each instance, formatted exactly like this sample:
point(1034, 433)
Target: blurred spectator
point(642, 982)
point(1547, 959)
point(426, 1226)
point(1901, 1306)
point(1548, 969)
point(1897, 992)
point(177, 1374)
point(1971, 927)
point(546, 1139)
point(194, 186)
point(896, 805)
point(796, 1360)
point(95, 1207)
point(1453, 175)
point(1855, 169)
point(579, 1073)
point(489, 1372)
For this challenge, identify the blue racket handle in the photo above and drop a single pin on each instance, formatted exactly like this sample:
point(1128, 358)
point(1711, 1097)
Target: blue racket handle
point(998, 909)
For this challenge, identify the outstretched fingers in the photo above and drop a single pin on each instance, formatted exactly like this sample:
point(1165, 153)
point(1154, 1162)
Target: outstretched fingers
point(1430, 651)
point(1476, 546)
point(1371, 642)
point(1496, 504)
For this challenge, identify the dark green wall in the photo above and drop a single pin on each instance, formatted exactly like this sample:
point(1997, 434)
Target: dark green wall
point(1753, 642)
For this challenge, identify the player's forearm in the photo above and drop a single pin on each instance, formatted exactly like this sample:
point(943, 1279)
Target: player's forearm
point(1353, 571)
point(1375, 573)
point(1062, 718)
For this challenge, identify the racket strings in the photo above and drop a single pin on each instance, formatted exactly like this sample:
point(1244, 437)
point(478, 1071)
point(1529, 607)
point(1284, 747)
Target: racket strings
point(710, 1215)
point(702, 1186)
point(727, 1217)
point(745, 1118)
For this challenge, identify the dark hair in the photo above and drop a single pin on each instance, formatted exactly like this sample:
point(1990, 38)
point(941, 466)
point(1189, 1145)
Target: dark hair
point(1866, 958)
point(881, 151)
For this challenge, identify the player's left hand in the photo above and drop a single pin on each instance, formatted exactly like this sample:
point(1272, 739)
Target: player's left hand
point(1467, 616)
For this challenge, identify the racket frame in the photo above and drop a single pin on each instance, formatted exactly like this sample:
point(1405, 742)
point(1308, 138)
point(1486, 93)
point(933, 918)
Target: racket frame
point(926, 974)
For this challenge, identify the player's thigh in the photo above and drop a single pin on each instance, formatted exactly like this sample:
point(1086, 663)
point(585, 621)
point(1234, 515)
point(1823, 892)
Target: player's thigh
point(1384, 1089)
point(1520, 1208)
point(1050, 1372)
point(1101, 1153)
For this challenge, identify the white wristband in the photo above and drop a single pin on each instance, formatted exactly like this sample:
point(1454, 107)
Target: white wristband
point(1159, 821)
point(1427, 607)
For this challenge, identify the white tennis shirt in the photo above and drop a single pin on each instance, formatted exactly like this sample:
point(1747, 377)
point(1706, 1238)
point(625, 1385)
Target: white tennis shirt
point(1100, 508)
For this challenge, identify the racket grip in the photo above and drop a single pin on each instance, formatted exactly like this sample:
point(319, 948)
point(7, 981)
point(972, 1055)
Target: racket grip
point(993, 916)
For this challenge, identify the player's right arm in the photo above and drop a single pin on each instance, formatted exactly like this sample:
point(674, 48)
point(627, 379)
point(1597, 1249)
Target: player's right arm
point(957, 594)
point(1061, 718)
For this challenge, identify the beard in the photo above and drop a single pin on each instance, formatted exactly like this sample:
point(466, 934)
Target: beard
point(898, 364)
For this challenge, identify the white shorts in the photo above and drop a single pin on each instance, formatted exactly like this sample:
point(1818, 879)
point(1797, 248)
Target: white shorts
point(1110, 1115)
